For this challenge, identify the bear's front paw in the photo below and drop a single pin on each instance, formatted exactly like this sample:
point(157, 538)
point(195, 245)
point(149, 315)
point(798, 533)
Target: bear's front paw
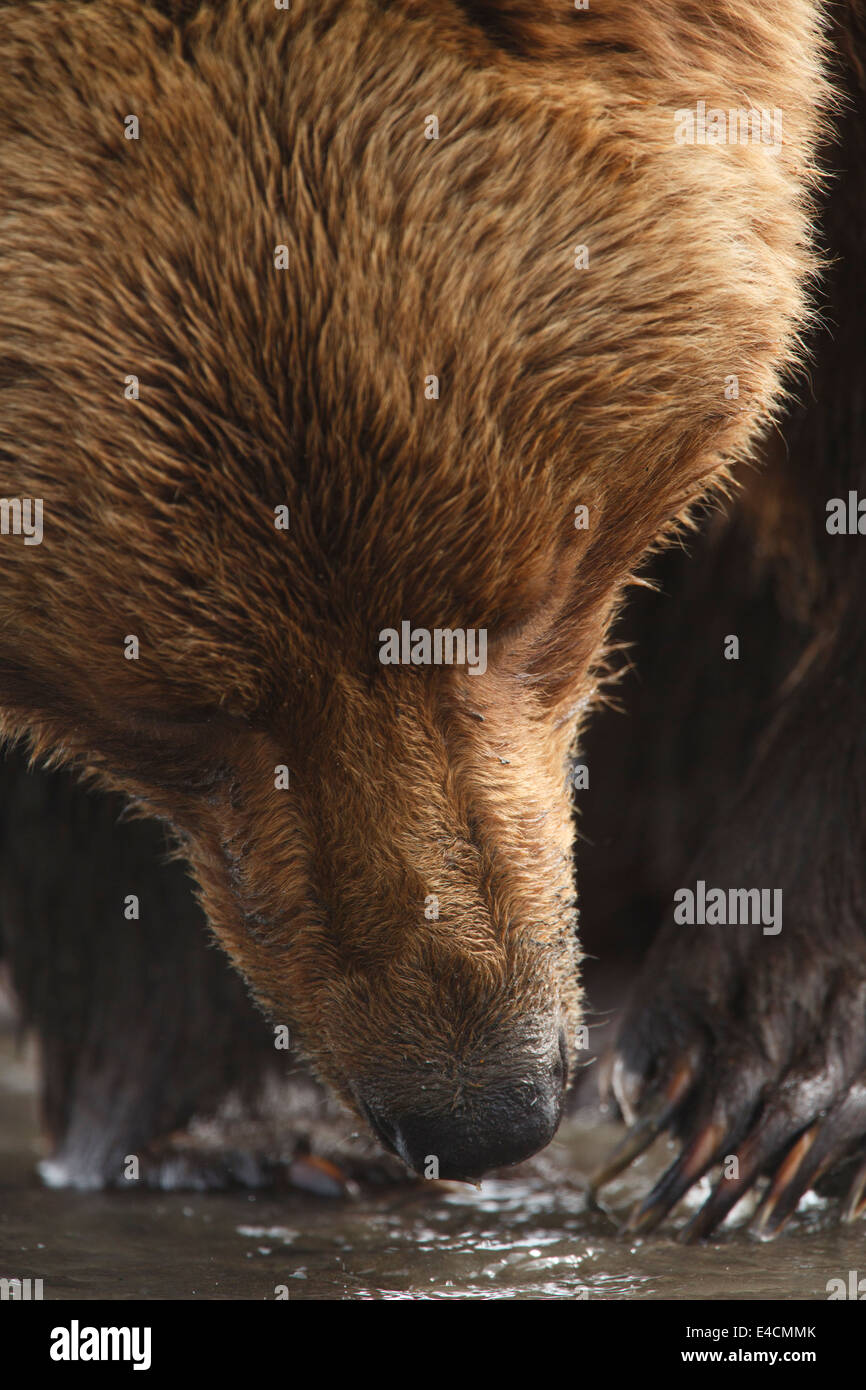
point(751, 1050)
point(183, 1162)
point(208, 1157)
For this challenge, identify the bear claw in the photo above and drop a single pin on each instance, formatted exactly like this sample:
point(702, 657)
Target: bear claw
point(691, 1165)
point(658, 1112)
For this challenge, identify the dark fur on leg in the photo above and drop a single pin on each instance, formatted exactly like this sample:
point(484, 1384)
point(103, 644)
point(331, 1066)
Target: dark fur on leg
point(142, 1024)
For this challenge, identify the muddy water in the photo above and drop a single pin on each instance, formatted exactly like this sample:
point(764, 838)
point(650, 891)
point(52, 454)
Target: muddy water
point(533, 1236)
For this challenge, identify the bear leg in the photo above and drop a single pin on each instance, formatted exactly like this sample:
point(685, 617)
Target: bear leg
point(748, 1039)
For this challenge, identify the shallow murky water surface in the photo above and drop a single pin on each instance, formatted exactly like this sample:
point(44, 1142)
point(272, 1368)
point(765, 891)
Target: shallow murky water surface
point(532, 1236)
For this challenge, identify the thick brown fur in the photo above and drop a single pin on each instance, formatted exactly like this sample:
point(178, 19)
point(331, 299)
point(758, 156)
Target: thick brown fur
point(559, 387)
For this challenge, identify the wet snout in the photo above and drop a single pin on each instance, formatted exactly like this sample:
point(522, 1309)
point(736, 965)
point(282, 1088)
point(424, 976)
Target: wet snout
point(484, 1125)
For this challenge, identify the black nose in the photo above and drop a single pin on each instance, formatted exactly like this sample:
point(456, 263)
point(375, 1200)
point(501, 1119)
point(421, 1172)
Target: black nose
point(467, 1141)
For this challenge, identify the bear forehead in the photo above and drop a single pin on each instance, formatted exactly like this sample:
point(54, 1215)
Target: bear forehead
point(309, 384)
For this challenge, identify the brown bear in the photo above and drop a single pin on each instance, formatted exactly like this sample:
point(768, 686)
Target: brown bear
point(354, 356)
